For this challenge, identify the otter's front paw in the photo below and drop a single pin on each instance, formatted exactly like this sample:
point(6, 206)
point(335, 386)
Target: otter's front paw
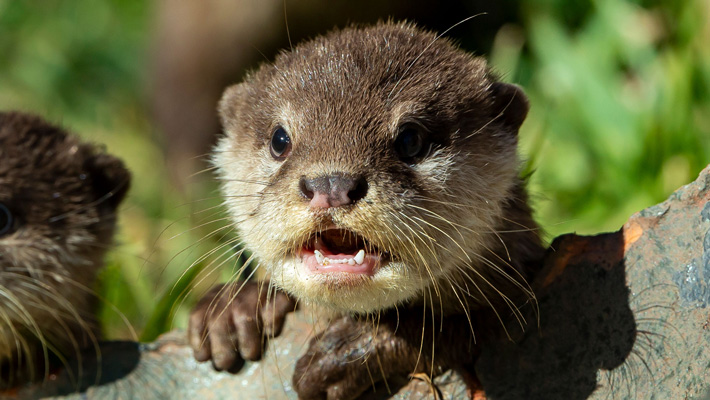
point(232, 320)
point(349, 357)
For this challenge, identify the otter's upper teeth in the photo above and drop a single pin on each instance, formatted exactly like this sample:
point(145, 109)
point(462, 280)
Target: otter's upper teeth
point(360, 256)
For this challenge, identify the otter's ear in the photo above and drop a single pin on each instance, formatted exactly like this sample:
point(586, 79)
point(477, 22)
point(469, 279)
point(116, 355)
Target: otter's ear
point(510, 104)
point(231, 99)
point(109, 178)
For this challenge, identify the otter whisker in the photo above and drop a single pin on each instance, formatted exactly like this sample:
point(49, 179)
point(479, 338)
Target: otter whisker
point(464, 306)
point(492, 120)
point(522, 284)
point(208, 254)
point(211, 267)
point(437, 37)
point(62, 314)
point(232, 291)
point(468, 229)
point(421, 256)
point(433, 333)
point(202, 225)
point(505, 298)
point(454, 241)
point(209, 270)
point(511, 305)
point(14, 305)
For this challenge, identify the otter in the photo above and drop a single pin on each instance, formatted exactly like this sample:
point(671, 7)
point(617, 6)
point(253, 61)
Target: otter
point(58, 201)
point(372, 172)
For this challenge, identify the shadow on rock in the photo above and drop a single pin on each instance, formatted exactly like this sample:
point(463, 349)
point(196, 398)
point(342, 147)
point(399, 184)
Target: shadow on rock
point(585, 323)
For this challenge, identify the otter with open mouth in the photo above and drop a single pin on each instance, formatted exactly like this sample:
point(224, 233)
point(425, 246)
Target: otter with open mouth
point(58, 201)
point(373, 172)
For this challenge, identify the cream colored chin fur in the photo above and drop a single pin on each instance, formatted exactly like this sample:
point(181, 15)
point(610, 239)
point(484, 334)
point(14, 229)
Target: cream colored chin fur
point(385, 289)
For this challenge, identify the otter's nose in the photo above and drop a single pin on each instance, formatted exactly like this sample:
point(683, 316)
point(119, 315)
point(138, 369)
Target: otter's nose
point(334, 190)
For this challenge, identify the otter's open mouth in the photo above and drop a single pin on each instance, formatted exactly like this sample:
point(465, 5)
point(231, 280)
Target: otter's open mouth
point(341, 250)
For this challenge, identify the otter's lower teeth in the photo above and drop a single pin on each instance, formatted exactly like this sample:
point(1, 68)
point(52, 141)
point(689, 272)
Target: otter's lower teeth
point(360, 257)
point(319, 257)
point(323, 260)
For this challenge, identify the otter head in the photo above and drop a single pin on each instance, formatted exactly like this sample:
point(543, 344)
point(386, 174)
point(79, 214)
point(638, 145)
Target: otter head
point(58, 199)
point(369, 167)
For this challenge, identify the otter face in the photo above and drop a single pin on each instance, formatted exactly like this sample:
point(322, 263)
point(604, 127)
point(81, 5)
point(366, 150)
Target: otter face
point(58, 199)
point(370, 167)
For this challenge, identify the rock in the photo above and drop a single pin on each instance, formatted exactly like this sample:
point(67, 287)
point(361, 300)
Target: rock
point(619, 315)
point(165, 369)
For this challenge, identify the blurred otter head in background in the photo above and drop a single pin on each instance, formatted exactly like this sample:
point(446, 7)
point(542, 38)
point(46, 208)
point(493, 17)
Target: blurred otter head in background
point(58, 200)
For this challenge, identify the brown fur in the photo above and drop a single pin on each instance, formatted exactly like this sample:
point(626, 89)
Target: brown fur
point(62, 195)
point(456, 223)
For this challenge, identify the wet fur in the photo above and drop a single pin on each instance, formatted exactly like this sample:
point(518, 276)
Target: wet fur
point(458, 224)
point(63, 195)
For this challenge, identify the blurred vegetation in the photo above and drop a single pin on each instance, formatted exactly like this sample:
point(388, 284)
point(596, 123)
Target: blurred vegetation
point(620, 94)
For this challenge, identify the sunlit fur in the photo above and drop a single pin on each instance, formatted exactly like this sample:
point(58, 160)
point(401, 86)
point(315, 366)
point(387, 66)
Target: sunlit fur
point(457, 222)
point(63, 196)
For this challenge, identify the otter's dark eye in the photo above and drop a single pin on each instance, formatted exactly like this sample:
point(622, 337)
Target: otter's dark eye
point(411, 143)
point(6, 220)
point(280, 144)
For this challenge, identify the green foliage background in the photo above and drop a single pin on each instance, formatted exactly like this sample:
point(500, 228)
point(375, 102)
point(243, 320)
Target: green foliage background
point(620, 117)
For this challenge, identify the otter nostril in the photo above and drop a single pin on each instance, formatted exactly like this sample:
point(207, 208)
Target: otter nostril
point(359, 190)
point(333, 190)
point(306, 188)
